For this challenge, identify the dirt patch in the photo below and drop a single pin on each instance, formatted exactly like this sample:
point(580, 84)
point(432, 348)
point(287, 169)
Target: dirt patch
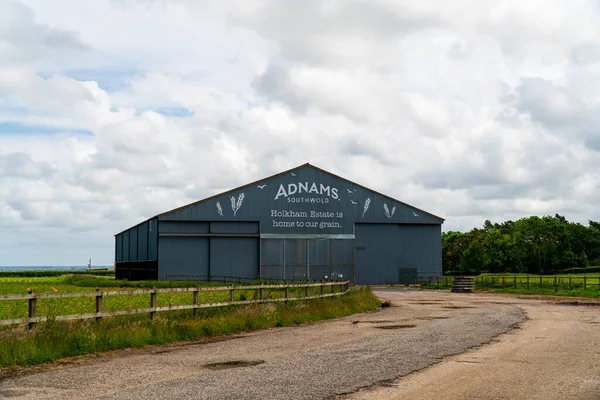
point(234, 364)
point(12, 393)
point(401, 326)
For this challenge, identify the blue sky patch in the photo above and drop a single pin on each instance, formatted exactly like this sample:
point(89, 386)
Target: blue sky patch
point(109, 80)
point(29, 129)
point(171, 111)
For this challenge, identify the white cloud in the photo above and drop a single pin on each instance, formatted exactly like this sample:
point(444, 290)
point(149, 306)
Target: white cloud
point(471, 110)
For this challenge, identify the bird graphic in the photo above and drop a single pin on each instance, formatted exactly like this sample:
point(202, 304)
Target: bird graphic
point(355, 323)
point(415, 214)
point(353, 202)
point(261, 186)
point(293, 174)
point(350, 191)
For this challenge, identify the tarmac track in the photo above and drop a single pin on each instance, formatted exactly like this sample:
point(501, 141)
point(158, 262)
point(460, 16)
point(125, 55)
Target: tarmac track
point(334, 359)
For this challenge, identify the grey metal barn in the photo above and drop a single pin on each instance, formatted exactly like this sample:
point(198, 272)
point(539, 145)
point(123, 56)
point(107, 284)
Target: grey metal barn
point(301, 224)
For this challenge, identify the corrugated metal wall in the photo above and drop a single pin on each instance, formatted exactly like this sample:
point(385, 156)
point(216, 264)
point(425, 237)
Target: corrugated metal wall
point(199, 250)
point(138, 243)
point(183, 256)
point(377, 253)
point(235, 257)
point(420, 246)
point(136, 252)
point(382, 250)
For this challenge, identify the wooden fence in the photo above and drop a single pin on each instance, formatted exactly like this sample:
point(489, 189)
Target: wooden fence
point(32, 297)
point(516, 281)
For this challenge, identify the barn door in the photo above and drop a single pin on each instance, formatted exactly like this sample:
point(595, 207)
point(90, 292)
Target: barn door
point(377, 258)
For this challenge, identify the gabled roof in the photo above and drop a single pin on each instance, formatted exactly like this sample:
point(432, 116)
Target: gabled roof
point(306, 165)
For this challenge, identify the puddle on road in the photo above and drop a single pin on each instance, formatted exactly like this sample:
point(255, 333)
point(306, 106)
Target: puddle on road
point(234, 364)
point(376, 322)
point(402, 326)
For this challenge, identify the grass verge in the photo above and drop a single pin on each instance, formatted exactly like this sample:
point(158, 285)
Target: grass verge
point(575, 292)
point(53, 340)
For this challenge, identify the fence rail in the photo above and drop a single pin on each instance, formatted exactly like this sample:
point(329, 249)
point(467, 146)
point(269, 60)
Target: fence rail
point(32, 298)
point(516, 281)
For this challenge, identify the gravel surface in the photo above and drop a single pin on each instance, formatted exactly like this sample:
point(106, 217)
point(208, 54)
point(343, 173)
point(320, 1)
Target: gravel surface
point(554, 356)
point(320, 360)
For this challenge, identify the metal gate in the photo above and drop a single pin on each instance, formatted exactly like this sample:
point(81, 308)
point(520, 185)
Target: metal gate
point(307, 259)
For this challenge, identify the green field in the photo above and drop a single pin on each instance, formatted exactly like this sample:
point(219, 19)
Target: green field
point(11, 309)
point(585, 285)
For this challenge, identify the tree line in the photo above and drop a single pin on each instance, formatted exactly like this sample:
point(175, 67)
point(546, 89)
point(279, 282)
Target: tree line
point(535, 245)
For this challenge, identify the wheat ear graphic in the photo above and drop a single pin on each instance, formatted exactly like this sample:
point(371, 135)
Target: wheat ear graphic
point(393, 210)
point(386, 210)
point(239, 203)
point(219, 209)
point(236, 204)
point(366, 207)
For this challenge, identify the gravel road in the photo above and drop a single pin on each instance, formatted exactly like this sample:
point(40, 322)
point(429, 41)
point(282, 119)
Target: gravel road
point(555, 355)
point(321, 360)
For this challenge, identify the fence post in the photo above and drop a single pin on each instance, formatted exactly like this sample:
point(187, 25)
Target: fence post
point(503, 282)
point(195, 302)
point(98, 305)
point(333, 287)
point(261, 293)
point(285, 293)
point(555, 286)
point(152, 302)
point(585, 282)
point(515, 277)
point(540, 281)
point(230, 295)
point(306, 290)
point(527, 282)
point(569, 283)
point(32, 309)
point(322, 289)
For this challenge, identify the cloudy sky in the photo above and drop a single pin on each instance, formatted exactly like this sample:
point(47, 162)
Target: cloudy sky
point(112, 111)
